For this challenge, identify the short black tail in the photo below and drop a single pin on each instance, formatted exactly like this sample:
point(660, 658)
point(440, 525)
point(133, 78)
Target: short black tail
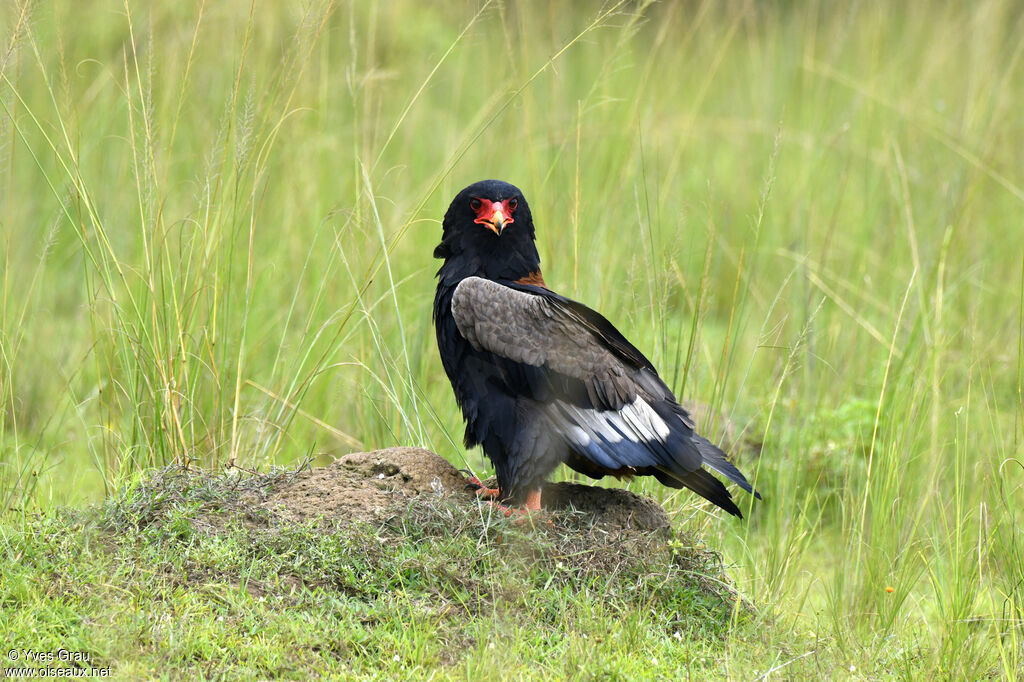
point(702, 483)
point(715, 458)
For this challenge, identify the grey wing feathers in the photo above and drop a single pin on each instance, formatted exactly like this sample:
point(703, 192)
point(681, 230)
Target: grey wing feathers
point(530, 329)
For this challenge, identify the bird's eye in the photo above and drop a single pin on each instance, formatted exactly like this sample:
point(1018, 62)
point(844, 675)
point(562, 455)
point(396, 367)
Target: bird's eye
point(512, 203)
point(474, 204)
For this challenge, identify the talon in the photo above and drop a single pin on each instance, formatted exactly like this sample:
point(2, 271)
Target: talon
point(506, 511)
point(525, 513)
point(489, 494)
point(480, 490)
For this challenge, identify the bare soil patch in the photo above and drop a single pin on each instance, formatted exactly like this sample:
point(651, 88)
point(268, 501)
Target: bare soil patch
point(374, 486)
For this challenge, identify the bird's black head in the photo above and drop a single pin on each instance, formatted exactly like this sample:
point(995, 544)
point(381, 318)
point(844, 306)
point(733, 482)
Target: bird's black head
point(488, 231)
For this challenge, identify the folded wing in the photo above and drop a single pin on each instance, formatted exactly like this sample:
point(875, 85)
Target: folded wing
point(595, 389)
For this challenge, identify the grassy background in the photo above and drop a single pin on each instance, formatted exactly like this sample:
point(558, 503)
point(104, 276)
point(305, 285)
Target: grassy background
point(217, 226)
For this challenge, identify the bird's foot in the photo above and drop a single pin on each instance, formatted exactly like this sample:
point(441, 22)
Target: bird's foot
point(505, 510)
point(479, 489)
point(493, 498)
point(531, 505)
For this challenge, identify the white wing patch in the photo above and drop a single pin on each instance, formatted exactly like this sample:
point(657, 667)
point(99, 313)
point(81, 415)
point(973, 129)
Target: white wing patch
point(578, 436)
point(645, 420)
point(612, 438)
point(594, 424)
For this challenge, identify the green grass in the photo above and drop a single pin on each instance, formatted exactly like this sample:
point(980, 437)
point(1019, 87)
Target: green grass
point(217, 226)
point(181, 576)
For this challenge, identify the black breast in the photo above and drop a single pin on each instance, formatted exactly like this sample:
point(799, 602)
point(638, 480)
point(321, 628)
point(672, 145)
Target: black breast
point(479, 384)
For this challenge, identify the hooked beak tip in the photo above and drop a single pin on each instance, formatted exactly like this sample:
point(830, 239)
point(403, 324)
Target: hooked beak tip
point(496, 224)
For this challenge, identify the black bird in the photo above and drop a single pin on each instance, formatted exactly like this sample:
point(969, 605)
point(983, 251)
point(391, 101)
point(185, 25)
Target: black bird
point(542, 379)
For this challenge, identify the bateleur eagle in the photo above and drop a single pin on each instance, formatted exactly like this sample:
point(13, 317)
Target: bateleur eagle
point(542, 379)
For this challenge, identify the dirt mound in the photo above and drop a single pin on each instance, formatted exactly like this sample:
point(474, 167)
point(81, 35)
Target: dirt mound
point(395, 531)
point(608, 507)
point(364, 485)
point(373, 486)
point(374, 520)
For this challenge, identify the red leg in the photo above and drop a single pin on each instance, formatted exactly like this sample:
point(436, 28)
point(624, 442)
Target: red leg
point(482, 491)
point(531, 505)
point(507, 511)
point(493, 495)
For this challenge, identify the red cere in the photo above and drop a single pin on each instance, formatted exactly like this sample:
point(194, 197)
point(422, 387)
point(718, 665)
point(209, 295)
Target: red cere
point(491, 212)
